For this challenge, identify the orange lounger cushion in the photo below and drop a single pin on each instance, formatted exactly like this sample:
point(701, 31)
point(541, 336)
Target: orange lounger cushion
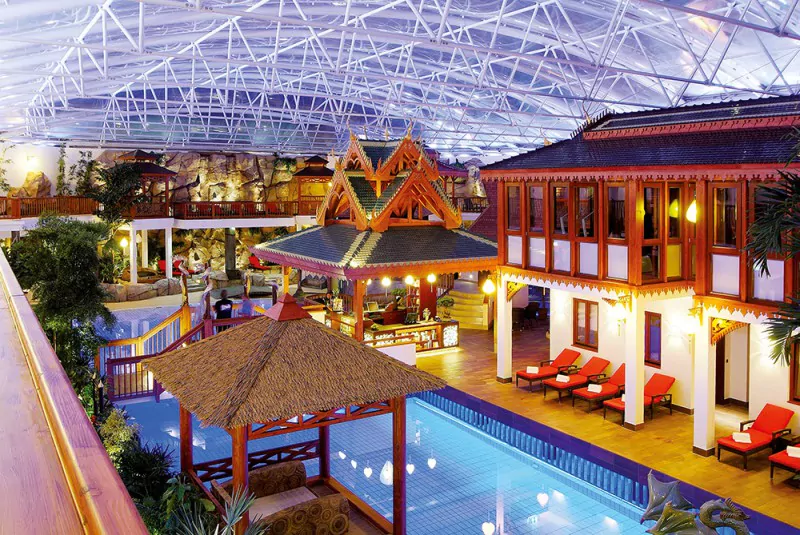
point(544, 373)
point(574, 380)
point(758, 439)
point(782, 458)
point(607, 389)
point(617, 404)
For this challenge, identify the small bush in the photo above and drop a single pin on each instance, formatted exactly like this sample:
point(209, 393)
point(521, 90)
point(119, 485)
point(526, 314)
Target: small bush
point(145, 469)
point(117, 435)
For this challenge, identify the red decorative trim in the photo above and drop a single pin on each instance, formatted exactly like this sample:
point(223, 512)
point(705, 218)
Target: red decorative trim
point(223, 468)
point(734, 305)
point(317, 419)
point(685, 128)
point(645, 173)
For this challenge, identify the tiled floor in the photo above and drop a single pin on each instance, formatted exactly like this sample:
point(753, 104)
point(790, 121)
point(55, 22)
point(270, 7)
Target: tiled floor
point(664, 444)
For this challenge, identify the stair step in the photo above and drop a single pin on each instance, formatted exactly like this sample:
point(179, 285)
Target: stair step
point(463, 314)
point(463, 296)
point(475, 326)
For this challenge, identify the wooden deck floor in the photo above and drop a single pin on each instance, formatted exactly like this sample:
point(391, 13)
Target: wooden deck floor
point(664, 444)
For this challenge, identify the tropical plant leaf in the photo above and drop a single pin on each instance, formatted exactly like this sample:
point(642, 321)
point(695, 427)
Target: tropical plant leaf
point(784, 331)
point(777, 219)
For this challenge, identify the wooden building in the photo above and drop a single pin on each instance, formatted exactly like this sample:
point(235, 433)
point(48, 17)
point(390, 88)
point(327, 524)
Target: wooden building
point(637, 225)
point(386, 218)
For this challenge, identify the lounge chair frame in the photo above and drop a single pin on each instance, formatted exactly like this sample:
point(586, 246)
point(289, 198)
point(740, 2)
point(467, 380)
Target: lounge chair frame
point(572, 368)
point(658, 400)
point(746, 454)
point(598, 379)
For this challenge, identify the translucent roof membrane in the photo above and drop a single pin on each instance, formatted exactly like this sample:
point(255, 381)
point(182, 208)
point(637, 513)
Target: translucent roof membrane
point(485, 78)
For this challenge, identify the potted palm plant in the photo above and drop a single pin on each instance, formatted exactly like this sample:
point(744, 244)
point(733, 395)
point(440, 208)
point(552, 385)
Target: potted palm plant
point(445, 303)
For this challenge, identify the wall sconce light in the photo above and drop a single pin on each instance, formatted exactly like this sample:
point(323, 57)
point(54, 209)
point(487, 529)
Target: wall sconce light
point(386, 282)
point(409, 280)
point(693, 319)
point(691, 212)
point(123, 242)
point(619, 309)
point(431, 278)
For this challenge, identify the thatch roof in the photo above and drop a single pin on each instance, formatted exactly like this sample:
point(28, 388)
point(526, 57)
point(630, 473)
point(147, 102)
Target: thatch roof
point(278, 366)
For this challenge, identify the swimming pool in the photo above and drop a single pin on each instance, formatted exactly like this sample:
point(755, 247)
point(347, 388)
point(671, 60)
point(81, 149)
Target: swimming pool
point(458, 476)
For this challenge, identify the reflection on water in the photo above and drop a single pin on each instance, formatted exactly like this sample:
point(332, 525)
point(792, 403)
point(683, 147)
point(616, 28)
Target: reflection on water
point(459, 480)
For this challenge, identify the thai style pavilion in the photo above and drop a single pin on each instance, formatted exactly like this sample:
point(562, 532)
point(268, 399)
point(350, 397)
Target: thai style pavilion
point(386, 216)
point(155, 181)
point(280, 373)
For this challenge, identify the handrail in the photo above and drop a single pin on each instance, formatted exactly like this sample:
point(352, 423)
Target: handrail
point(100, 497)
point(147, 335)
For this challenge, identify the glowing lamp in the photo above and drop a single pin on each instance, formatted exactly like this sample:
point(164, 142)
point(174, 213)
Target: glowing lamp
point(123, 242)
point(410, 468)
point(369, 281)
point(431, 463)
point(543, 499)
point(354, 464)
point(674, 209)
point(691, 212)
point(386, 282)
point(487, 528)
point(488, 287)
point(368, 472)
point(386, 473)
point(431, 278)
point(342, 456)
point(409, 280)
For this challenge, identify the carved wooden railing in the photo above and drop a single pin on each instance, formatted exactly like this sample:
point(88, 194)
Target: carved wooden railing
point(16, 208)
point(223, 468)
point(233, 209)
point(473, 205)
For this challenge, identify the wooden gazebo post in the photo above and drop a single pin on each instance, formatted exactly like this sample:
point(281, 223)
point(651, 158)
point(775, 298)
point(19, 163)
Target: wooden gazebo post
point(359, 288)
point(187, 458)
point(239, 436)
point(399, 462)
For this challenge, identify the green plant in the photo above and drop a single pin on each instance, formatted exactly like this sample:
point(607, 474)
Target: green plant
point(191, 521)
point(145, 469)
point(399, 292)
point(58, 261)
point(82, 173)
point(117, 434)
point(4, 160)
point(62, 186)
point(118, 191)
point(445, 302)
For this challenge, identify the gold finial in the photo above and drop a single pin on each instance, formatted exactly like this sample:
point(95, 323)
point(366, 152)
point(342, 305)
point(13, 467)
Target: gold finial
point(408, 130)
point(386, 134)
point(365, 132)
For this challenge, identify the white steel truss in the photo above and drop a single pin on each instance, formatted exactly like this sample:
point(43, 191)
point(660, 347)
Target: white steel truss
point(473, 77)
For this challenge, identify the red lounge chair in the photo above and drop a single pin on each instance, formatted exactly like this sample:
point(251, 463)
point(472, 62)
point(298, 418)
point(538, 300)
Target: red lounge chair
point(255, 263)
point(162, 267)
point(593, 368)
point(564, 363)
point(782, 460)
point(656, 392)
point(771, 423)
point(610, 387)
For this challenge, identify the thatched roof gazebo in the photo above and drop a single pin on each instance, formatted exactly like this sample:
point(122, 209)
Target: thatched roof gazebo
point(286, 372)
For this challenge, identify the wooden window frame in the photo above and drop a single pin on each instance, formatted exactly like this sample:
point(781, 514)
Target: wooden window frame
point(789, 266)
point(520, 187)
point(682, 229)
point(608, 239)
point(575, 211)
point(587, 324)
point(528, 187)
point(712, 220)
point(661, 240)
point(794, 370)
point(569, 237)
point(742, 200)
point(647, 362)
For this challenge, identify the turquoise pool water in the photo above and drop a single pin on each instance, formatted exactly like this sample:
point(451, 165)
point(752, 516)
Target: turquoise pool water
point(459, 477)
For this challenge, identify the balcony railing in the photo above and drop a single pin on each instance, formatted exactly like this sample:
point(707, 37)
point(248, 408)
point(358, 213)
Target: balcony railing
point(474, 205)
point(16, 208)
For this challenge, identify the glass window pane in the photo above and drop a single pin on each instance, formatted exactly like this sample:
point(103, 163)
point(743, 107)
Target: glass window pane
point(512, 205)
point(593, 325)
point(725, 217)
point(584, 215)
point(560, 210)
point(536, 208)
point(581, 322)
point(653, 338)
point(674, 212)
point(652, 213)
point(616, 212)
point(651, 262)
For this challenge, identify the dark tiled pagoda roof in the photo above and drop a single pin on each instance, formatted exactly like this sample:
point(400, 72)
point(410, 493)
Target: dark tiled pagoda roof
point(344, 246)
point(379, 151)
point(722, 147)
point(316, 160)
point(364, 192)
point(314, 171)
point(151, 169)
point(138, 155)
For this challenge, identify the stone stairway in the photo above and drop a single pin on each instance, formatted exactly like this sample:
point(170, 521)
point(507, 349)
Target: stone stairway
point(469, 309)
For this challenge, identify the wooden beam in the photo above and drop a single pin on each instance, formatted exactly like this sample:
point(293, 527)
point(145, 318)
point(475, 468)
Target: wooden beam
point(324, 451)
point(240, 469)
point(185, 426)
point(286, 271)
point(399, 462)
point(359, 287)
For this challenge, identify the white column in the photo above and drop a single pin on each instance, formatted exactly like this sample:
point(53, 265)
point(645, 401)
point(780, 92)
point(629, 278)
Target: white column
point(705, 369)
point(503, 327)
point(134, 252)
point(634, 365)
point(145, 255)
point(168, 251)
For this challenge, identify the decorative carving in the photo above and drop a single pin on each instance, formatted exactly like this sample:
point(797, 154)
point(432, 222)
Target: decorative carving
point(720, 327)
point(514, 288)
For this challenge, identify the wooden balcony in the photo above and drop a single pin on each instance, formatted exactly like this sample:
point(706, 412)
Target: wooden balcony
point(471, 205)
point(17, 208)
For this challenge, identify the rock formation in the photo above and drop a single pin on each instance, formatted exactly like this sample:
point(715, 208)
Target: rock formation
point(36, 185)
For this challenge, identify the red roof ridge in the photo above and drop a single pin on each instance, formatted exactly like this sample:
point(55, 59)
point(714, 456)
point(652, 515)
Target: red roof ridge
point(286, 309)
